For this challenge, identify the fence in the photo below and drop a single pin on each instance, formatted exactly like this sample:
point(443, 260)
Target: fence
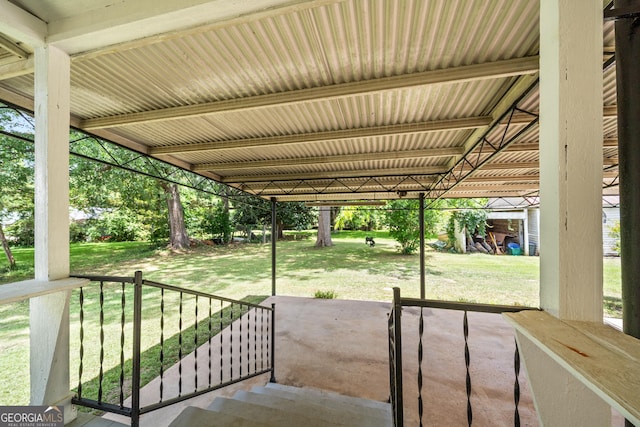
point(399, 338)
point(179, 343)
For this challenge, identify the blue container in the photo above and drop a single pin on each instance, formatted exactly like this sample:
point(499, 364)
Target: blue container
point(513, 248)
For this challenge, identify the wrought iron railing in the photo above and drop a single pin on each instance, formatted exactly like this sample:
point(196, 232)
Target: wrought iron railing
point(178, 343)
point(395, 358)
point(395, 353)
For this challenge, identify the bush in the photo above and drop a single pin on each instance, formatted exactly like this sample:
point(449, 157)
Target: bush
point(116, 226)
point(474, 220)
point(404, 225)
point(219, 223)
point(21, 232)
point(77, 232)
point(325, 295)
point(614, 232)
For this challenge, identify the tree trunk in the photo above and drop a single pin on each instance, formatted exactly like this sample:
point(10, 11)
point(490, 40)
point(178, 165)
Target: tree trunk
point(324, 228)
point(7, 249)
point(225, 200)
point(178, 237)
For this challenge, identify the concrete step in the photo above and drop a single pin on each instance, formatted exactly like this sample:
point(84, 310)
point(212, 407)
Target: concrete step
point(192, 416)
point(88, 420)
point(334, 401)
point(275, 405)
point(322, 395)
point(271, 416)
point(304, 405)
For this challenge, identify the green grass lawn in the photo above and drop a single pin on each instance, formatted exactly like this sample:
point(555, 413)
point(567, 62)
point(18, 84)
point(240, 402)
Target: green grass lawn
point(350, 269)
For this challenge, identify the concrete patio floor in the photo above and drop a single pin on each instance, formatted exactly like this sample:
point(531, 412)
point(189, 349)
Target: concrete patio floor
point(342, 346)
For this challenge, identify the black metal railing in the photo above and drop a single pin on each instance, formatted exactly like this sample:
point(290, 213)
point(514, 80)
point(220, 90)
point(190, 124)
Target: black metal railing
point(395, 353)
point(178, 343)
point(395, 358)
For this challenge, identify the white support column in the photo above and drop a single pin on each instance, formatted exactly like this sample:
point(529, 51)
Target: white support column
point(525, 237)
point(571, 158)
point(49, 314)
point(52, 163)
point(570, 199)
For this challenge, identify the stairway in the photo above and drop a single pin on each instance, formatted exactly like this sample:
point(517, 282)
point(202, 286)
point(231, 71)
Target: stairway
point(280, 405)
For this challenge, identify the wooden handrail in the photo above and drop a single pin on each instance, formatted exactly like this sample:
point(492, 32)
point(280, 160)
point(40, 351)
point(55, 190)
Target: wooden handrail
point(602, 358)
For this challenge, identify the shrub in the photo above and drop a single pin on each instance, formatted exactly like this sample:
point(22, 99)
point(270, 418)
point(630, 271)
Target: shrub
point(326, 295)
point(614, 232)
point(404, 225)
point(22, 232)
point(77, 232)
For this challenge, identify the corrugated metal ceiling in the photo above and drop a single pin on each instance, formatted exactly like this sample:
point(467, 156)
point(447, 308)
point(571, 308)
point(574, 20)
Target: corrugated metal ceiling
point(244, 89)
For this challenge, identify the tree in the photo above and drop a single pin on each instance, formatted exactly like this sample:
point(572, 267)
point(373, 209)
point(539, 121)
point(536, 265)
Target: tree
point(294, 215)
point(152, 207)
point(469, 218)
point(255, 211)
point(178, 237)
point(324, 227)
point(404, 223)
point(16, 181)
point(358, 218)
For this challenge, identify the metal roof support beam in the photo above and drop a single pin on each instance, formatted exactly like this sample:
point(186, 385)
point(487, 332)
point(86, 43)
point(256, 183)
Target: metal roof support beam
point(482, 152)
point(366, 173)
point(410, 154)
point(535, 146)
point(490, 70)
point(404, 128)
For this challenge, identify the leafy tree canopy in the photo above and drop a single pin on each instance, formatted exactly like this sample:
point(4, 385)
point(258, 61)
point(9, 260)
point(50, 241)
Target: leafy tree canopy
point(403, 220)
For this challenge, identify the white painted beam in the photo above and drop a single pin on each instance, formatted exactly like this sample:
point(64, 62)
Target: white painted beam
point(408, 154)
point(14, 48)
point(17, 69)
point(21, 25)
point(490, 70)
point(399, 129)
point(145, 21)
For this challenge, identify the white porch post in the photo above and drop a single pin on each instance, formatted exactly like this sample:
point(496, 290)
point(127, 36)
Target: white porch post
point(570, 199)
point(525, 237)
point(571, 158)
point(49, 314)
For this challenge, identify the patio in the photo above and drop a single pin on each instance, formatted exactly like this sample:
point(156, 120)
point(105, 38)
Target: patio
point(342, 346)
point(339, 101)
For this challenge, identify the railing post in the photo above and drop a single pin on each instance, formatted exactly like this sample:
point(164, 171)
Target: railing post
point(273, 344)
point(137, 327)
point(396, 353)
point(274, 240)
point(422, 249)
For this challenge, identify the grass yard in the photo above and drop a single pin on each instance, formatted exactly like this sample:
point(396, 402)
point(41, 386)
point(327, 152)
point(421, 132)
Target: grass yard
point(350, 270)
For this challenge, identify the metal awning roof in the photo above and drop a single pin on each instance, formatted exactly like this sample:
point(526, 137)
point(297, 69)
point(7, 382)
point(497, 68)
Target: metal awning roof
point(309, 100)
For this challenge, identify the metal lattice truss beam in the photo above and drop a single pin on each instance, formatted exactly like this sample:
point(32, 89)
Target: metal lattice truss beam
point(108, 154)
point(484, 150)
